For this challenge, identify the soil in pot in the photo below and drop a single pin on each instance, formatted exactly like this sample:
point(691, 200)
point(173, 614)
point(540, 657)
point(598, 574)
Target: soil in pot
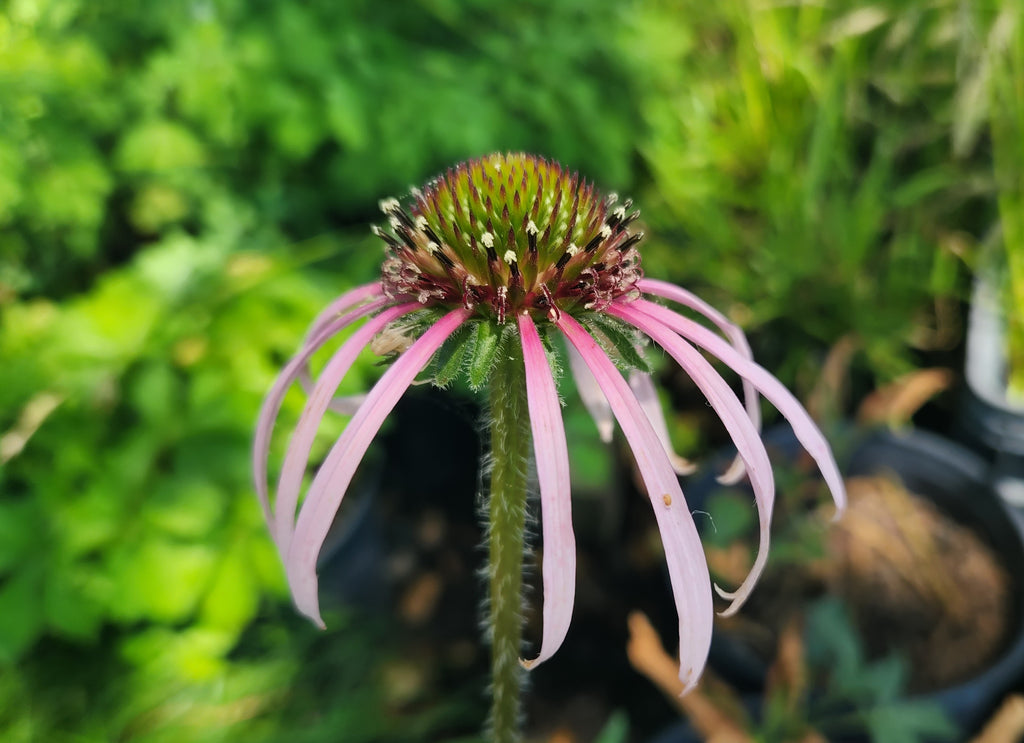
point(916, 582)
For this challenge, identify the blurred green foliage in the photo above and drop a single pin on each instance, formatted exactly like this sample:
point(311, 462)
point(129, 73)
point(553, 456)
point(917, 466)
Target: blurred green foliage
point(803, 173)
point(185, 183)
point(123, 120)
point(860, 694)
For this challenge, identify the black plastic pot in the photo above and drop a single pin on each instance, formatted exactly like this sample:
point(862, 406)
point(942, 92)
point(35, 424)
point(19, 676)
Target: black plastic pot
point(956, 480)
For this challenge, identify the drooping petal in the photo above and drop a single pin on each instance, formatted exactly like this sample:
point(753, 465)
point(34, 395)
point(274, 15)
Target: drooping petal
point(346, 405)
point(591, 395)
point(688, 571)
point(732, 331)
point(332, 480)
point(297, 455)
point(552, 458)
point(348, 300)
point(643, 387)
point(807, 432)
point(735, 335)
point(272, 402)
point(729, 409)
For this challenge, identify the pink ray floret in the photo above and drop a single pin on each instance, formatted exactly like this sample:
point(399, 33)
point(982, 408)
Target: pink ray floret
point(552, 457)
point(688, 571)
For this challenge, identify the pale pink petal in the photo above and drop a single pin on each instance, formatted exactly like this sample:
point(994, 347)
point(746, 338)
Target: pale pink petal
point(344, 404)
point(688, 571)
point(728, 407)
point(272, 403)
point(297, 455)
point(807, 433)
point(735, 335)
point(646, 394)
point(552, 458)
point(348, 300)
point(364, 293)
point(335, 474)
point(591, 395)
point(347, 404)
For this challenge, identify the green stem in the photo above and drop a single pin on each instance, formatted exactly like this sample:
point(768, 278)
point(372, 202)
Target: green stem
point(510, 453)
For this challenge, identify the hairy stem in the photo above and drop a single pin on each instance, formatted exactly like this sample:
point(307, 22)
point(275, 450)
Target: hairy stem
point(506, 510)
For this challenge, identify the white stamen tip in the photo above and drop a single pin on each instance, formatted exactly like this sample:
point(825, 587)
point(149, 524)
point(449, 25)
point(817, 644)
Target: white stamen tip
point(573, 249)
point(487, 239)
point(510, 257)
point(388, 205)
point(421, 222)
point(606, 231)
point(620, 212)
point(531, 228)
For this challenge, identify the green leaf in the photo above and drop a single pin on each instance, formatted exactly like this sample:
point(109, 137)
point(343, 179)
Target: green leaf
point(233, 596)
point(70, 606)
point(909, 722)
point(618, 340)
point(192, 654)
point(484, 350)
point(20, 529)
point(161, 580)
point(187, 509)
point(345, 115)
point(159, 146)
point(153, 391)
point(616, 730)
point(451, 358)
point(21, 611)
point(90, 520)
point(887, 678)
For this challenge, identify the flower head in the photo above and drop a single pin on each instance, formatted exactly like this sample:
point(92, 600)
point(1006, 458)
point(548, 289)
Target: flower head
point(515, 249)
point(511, 234)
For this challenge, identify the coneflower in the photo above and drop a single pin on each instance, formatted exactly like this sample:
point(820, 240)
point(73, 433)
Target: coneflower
point(489, 272)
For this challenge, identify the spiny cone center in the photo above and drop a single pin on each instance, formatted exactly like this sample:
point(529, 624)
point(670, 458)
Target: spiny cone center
point(507, 234)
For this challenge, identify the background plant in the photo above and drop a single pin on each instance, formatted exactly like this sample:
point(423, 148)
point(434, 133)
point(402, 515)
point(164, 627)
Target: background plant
point(802, 170)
